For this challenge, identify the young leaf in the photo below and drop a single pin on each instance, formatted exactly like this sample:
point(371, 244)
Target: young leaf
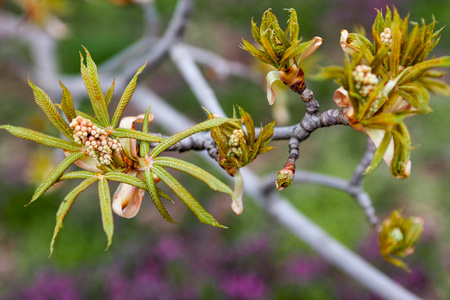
point(76, 175)
point(96, 95)
point(191, 169)
point(55, 174)
point(109, 93)
point(41, 138)
point(185, 196)
point(145, 146)
point(44, 102)
point(155, 196)
point(185, 133)
point(126, 96)
point(380, 152)
point(66, 204)
point(67, 104)
point(106, 210)
point(125, 178)
point(134, 134)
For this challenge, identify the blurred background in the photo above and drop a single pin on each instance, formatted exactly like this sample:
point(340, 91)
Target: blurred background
point(255, 258)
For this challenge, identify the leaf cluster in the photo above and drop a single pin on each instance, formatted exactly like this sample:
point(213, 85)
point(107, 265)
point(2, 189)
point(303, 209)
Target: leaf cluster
point(281, 49)
point(144, 162)
point(237, 141)
point(399, 236)
point(405, 77)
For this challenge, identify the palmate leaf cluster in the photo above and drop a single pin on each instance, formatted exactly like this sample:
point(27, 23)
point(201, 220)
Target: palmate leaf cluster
point(405, 76)
point(237, 142)
point(399, 236)
point(136, 165)
point(281, 49)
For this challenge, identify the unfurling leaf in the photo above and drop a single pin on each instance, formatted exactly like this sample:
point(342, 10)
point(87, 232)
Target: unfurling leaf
point(66, 204)
point(186, 197)
point(105, 208)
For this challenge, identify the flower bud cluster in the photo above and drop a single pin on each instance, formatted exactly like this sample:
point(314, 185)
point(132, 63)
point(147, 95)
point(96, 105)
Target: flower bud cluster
point(365, 81)
point(96, 140)
point(234, 142)
point(386, 36)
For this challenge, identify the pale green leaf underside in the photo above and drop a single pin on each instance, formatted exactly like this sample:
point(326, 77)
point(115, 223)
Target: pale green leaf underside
point(191, 169)
point(126, 96)
point(134, 134)
point(185, 196)
point(66, 204)
point(155, 196)
point(41, 138)
point(125, 178)
point(106, 209)
point(56, 174)
point(44, 102)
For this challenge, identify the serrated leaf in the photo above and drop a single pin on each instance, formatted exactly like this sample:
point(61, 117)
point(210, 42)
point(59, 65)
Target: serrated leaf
point(139, 135)
point(41, 138)
point(293, 26)
point(65, 206)
point(394, 58)
point(44, 102)
point(255, 32)
point(67, 104)
point(195, 171)
point(76, 175)
point(145, 146)
point(255, 52)
point(248, 122)
point(185, 196)
point(126, 96)
point(125, 178)
point(96, 94)
point(55, 174)
point(106, 209)
point(185, 133)
point(413, 72)
point(109, 93)
point(155, 196)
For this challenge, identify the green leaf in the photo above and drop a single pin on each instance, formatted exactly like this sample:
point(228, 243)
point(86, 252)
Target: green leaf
point(66, 204)
point(155, 196)
point(106, 210)
point(76, 175)
point(126, 96)
point(255, 32)
point(125, 178)
point(145, 146)
point(394, 58)
point(193, 170)
point(414, 72)
point(67, 104)
point(55, 174)
point(185, 133)
point(248, 122)
point(293, 26)
point(185, 196)
point(41, 138)
point(96, 93)
point(379, 153)
point(109, 93)
point(255, 52)
point(139, 135)
point(44, 102)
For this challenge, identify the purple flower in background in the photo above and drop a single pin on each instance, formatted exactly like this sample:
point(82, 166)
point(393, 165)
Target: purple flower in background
point(300, 269)
point(53, 286)
point(244, 286)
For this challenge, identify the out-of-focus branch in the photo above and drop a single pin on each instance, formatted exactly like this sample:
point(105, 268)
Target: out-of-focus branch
point(221, 66)
point(289, 216)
